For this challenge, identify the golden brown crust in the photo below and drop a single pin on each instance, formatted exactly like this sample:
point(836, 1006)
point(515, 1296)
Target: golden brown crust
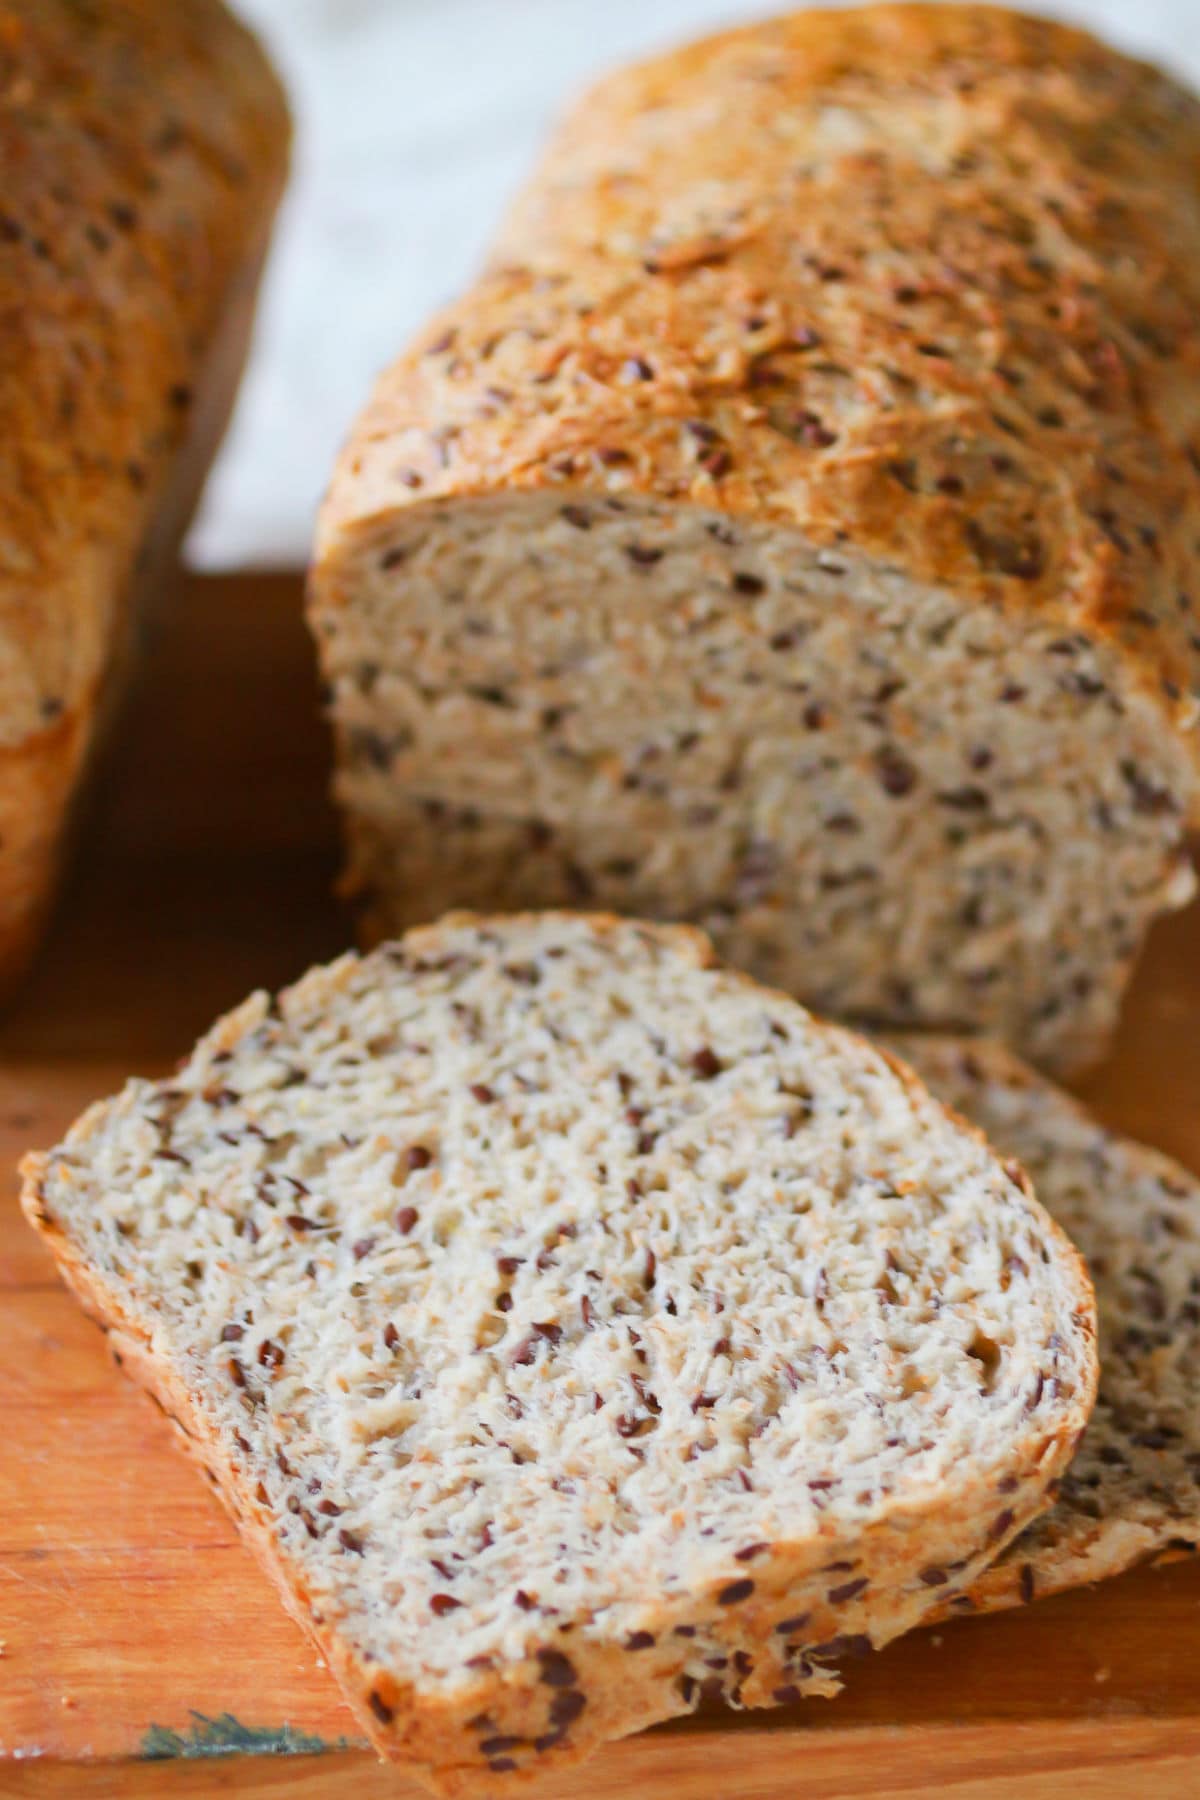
point(144, 149)
point(921, 278)
point(36, 779)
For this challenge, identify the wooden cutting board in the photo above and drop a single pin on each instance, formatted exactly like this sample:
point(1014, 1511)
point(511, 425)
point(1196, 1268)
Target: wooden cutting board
point(141, 1651)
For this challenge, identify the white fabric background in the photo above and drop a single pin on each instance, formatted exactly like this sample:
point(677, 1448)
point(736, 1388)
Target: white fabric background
point(417, 118)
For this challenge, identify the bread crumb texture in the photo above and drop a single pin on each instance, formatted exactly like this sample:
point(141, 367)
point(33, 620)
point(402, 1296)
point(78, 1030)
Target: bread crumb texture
point(578, 1328)
point(1133, 1489)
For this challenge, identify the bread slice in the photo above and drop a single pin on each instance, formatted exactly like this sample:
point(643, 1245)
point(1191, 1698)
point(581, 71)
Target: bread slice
point(1133, 1489)
point(796, 530)
point(577, 1327)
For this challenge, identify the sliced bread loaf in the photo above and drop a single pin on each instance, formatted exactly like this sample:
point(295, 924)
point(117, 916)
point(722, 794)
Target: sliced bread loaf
point(1133, 1489)
point(576, 1326)
point(795, 531)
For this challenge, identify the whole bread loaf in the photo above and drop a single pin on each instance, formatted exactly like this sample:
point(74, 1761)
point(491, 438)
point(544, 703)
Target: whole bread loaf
point(796, 529)
point(1133, 1489)
point(143, 147)
point(577, 1328)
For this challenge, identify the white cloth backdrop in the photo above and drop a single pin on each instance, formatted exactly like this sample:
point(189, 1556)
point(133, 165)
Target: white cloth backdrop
point(417, 118)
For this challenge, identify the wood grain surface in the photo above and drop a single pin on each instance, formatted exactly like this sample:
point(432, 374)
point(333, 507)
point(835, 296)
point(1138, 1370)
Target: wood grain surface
point(141, 1651)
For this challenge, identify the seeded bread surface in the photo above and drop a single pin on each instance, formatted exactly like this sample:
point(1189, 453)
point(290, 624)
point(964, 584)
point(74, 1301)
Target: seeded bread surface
point(144, 147)
point(576, 1328)
point(796, 530)
point(1133, 1489)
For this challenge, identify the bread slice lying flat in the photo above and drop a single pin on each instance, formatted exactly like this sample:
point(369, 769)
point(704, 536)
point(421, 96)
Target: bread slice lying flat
point(1133, 1489)
point(577, 1327)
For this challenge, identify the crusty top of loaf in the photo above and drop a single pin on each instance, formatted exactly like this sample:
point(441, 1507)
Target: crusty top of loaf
point(143, 146)
point(921, 280)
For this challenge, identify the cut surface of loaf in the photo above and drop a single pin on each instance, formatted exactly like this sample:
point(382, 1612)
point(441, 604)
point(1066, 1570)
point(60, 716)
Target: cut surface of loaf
point(1133, 1488)
point(577, 1327)
point(794, 531)
point(144, 148)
